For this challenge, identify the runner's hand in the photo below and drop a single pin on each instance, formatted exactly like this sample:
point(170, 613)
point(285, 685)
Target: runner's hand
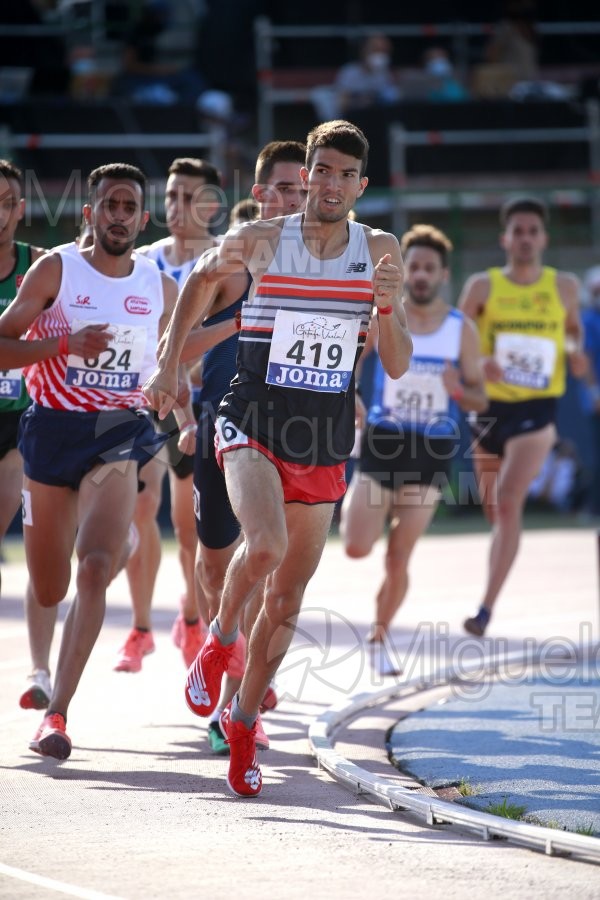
point(90, 341)
point(388, 280)
point(161, 392)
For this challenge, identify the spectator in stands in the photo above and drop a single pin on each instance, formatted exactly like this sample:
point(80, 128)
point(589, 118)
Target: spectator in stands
point(445, 86)
point(514, 40)
point(512, 53)
point(369, 81)
point(157, 63)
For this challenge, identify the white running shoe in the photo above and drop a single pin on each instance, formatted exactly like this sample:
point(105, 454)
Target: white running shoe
point(38, 691)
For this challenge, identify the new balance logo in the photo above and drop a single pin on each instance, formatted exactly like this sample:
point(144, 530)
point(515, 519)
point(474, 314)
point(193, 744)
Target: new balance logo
point(196, 692)
point(253, 777)
point(356, 267)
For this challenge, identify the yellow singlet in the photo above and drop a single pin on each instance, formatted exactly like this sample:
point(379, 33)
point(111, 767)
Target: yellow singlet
point(523, 328)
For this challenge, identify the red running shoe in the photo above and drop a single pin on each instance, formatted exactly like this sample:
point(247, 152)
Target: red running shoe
point(244, 778)
point(262, 739)
point(192, 639)
point(51, 738)
point(203, 683)
point(137, 645)
point(177, 630)
point(270, 700)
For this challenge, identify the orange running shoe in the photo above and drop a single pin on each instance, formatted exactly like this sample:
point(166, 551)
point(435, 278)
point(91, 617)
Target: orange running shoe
point(244, 778)
point(51, 738)
point(203, 682)
point(138, 644)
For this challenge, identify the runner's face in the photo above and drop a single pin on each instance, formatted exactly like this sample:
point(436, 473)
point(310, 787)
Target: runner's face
point(524, 238)
point(283, 194)
point(424, 274)
point(12, 208)
point(333, 184)
point(117, 215)
point(190, 205)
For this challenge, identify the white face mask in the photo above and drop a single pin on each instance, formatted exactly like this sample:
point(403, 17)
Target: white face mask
point(378, 61)
point(441, 68)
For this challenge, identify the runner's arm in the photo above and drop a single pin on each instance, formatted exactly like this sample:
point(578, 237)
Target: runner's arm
point(161, 388)
point(569, 288)
point(395, 344)
point(465, 383)
point(472, 301)
point(39, 288)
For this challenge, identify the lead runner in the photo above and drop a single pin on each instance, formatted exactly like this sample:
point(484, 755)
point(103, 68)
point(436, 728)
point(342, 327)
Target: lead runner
point(286, 428)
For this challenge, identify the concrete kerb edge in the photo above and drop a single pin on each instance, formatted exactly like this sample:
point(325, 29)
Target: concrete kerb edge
point(321, 737)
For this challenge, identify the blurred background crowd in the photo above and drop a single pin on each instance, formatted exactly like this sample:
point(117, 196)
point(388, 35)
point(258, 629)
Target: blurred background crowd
point(463, 105)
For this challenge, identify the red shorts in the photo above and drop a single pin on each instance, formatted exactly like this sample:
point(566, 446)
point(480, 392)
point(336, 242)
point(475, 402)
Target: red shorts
point(301, 483)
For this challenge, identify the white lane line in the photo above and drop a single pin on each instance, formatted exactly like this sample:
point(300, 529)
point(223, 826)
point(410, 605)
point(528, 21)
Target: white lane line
point(53, 885)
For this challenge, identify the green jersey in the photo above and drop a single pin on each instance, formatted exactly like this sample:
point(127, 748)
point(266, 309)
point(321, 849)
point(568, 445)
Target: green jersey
point(13, 395)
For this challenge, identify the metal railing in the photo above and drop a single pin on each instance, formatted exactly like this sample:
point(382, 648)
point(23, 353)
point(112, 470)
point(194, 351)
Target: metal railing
point(459, 33)
point(213, 140)
point(400, 139)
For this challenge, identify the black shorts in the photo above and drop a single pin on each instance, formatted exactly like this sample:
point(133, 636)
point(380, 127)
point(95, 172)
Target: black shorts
point(395, 460)
point(182, 464)
point(503, 421)
point(9, 430)
point(216, 524)
point(59, 447)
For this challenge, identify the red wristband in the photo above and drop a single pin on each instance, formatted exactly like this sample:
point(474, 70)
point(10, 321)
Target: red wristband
point(385, 310)
point(238, 320)
point(458, 393)
point(63, 345)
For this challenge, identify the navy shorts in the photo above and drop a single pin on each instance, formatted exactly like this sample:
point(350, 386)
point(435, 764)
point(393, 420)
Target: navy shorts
point(503, 421)
point(395, 460)
point(9, 430)
point(216, 524)
point(60, 447)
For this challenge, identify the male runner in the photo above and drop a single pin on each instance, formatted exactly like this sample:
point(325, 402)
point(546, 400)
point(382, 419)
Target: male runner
point(528, 319)
point(412, 431)
point(92, 322)
point(286, 428)
point(192, 200)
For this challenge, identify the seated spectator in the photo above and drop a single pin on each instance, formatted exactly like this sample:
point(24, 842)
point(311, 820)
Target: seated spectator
point(157, 61)
point(512, 53)
point(445, 86)
point(369, 81)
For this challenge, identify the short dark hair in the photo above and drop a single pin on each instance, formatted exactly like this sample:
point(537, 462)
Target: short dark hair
point(427, 236)
point(197, 168)
point(274, 152)
point(245, 210)
point(339, 135)
point(524, 205)
point(116, 171)
point(9, 170)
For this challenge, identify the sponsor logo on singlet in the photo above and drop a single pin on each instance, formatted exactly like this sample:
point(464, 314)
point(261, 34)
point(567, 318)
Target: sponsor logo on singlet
point(139, 306)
